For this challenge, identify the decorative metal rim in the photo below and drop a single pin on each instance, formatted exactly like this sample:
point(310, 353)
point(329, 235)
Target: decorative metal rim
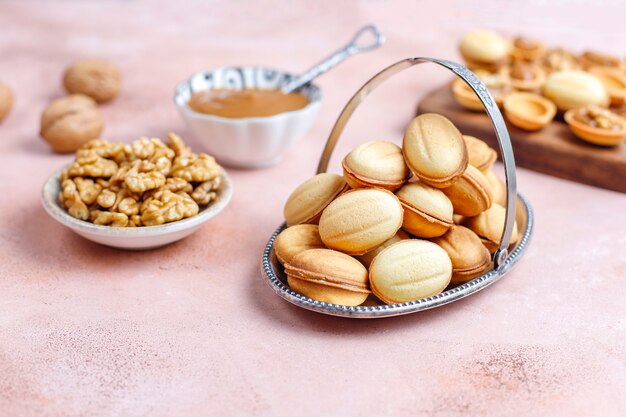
point(390, 310)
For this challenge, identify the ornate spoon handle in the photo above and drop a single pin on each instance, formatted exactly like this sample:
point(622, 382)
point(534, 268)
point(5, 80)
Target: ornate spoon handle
point(355, 46)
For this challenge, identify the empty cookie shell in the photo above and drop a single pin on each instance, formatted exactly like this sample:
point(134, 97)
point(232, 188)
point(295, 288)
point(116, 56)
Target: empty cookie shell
point(410, 270)
point(296, 239)
point(360, 220)
point(527, 76)
point(488, 225)
point(527, 49)
point(367, 258)
point(434, 150)
point(470, 258)
point(569, 89)
point(589, 59)
point(376, 164)
point(427, 210)
point(329, 276)
point(529, 111)
point(309, 199)
point(498, 188)
point(480, 155)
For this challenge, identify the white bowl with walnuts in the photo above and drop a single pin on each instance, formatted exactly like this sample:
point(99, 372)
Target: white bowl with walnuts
point(137, 196)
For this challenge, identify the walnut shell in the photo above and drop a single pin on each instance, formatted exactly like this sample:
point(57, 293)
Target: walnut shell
point(98, 79)
point(6, 100)
point(70, 122)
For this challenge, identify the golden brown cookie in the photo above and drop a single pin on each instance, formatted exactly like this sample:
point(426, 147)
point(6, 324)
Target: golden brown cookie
point(484, 49)
point(376, 164)
point(488, 225)
point(6, 100)
point(296, 239)
point(471, 193)
point(614, 80)
point(470, 258)
point(69, 122)
point(360, 220)
point(434, 150)
point(367, 258)
point(410, 270)
point(309, 199)
point(498, 188)
point(329, 276)
point(480, 155)
point(96, 78)
point(569, 89)
point(427, 210)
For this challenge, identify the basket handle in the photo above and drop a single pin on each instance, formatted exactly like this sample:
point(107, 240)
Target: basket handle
point(502, 134)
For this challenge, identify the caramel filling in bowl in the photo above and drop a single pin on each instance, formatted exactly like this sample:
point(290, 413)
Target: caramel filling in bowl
point(250, 102)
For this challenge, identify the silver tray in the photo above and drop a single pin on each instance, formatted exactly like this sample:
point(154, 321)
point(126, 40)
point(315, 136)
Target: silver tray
point(517, 209)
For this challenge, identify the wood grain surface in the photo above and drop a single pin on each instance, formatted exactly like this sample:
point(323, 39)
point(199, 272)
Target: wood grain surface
point(553, 150)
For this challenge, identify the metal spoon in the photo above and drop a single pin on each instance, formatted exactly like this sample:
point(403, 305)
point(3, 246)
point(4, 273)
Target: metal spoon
point(353, 47)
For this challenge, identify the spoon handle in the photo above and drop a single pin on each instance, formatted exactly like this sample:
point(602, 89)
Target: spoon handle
point(355, 46)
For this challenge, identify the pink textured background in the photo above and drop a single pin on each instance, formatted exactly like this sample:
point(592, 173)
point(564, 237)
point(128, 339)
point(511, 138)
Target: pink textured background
point(193, 330)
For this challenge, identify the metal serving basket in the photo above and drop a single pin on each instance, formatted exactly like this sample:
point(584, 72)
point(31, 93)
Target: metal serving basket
point(517, 209)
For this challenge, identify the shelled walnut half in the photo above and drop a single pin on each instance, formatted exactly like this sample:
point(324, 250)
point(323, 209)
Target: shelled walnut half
point(145, 183)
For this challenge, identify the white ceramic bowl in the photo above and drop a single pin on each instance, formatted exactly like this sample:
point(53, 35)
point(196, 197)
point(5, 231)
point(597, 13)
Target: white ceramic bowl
point(252, 142)
point(145, 237)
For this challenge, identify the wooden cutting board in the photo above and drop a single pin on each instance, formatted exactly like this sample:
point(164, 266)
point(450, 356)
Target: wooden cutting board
point(553, 150)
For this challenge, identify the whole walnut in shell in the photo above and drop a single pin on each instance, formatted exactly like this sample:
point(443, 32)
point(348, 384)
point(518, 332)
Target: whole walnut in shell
point(98, 79)
point(6, 100)
point(70, 122)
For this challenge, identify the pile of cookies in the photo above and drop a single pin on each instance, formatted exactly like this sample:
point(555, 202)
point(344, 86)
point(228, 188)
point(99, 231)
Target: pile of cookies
point(146, 183)
point(71, 121)
point(400, 223)
point(532, 83)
